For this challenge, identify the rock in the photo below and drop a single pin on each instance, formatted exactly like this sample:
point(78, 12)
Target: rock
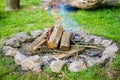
point(2, 42)
point(84, 4)
point(56, 66)
point(6, 49)
point(109, 2)
point(12, 52)
point(77, 66)
point(90, 61)
point(36, 33)
point(97, 40)
point(76, 37)
point(46, 59)
point(32, 63)
point(89, 38)
point(83, 34)
point(19, 58)
point(106, 43)
point(46, 4)
point(110, 52)
point(23, 37)
point(36, 69)
point(93, 53)
point(13, 42)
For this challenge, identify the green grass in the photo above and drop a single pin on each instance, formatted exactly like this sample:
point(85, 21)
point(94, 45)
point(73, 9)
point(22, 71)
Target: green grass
point(103, 22)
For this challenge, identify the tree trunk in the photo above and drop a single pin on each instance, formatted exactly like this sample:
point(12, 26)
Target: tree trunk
point(12, 5)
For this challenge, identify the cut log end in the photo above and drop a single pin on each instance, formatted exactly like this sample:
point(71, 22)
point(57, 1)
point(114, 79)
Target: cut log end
point(52, 45)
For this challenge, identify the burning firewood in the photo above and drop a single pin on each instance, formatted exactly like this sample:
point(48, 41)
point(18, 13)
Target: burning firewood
point(65, 41)
point(55, 37)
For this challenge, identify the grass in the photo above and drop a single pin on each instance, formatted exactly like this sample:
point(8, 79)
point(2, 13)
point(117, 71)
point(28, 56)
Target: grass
point(103, 22)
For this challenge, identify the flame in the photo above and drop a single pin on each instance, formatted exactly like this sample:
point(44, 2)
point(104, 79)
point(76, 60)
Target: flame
point(60, 13)
point(54, 10)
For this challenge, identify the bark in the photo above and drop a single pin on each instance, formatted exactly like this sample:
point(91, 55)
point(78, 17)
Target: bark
point(55, 37)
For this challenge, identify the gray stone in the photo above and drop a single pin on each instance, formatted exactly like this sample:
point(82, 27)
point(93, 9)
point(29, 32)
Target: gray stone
point(97, 40)
point(2, 42)
point(82, 4)
point(56, 66)
point(106, 43)
point(19, 58)
point(76, 37)
point(77, 66)
point(89, 61)
point(83, 34)
point(32, 63)
point(36, 69)
point(110, 52)
point(46, 59)
point(36, 33)
point(6, 49)
point(13, 42)
point(23, 37)
point(12, 52)
point(109, 2)
point(89, 38)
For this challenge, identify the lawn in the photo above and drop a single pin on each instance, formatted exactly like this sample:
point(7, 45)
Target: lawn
point(102, 22)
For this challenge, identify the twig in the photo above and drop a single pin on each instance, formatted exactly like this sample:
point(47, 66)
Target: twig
point(95, 47)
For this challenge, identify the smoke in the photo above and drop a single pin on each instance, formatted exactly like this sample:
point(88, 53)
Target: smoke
point(60, 12)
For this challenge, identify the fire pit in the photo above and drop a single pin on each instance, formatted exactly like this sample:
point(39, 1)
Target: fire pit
point(56, 47)
point(62, 44)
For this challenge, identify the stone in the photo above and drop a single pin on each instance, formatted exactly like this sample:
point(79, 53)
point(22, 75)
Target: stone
point(32, 63)
point(2, 42)
point(89, 38)
point(23, 37)
point(12, 52)
point(76, 37)
point(46, 59)
point(46, 4)
point(6, 49)
point(106, 43)
point(82, 4)
point(36, 33)
point(93, 53)
point(77, 66)
point(56, 66)
point(97, 40)
point(110, 52)
point(13, 42)
point(89, 61)
point(36, 69)
point(19, 58)
point(109, 2)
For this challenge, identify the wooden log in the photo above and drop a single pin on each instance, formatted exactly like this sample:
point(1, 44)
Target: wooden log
point(65, 41)
point(37, 43)
point(55, 37)
point(68, 54)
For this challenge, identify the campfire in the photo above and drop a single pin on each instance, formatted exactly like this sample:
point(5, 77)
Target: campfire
point(56, 47)
point(62, 44)
point(57, 38)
